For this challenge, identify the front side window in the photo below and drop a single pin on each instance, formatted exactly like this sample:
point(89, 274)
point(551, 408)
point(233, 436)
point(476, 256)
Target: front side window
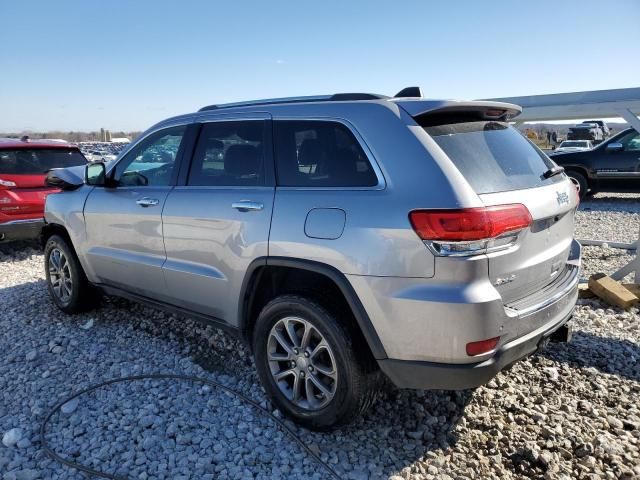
point(153, 161)
point(320, 154)
point(631, 142)
point(38, 161)
point(229, 154)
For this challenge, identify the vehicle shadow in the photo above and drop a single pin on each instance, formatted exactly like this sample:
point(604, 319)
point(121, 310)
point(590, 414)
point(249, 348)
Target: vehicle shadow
point(603, 202)
point(19, 250)
point(608, 355)
point(400, 429)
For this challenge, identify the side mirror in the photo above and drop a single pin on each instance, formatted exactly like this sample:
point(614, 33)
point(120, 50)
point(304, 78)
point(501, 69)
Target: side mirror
point(615, 147)
point(65, 178)
point(95, 174)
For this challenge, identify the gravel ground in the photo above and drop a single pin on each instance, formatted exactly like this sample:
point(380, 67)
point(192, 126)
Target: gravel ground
point(569, 412)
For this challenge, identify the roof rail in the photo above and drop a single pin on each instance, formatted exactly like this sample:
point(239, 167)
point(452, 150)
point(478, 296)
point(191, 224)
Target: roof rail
point(337, 97)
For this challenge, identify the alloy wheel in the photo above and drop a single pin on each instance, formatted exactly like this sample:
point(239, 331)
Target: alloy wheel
point(302, 363)
point(60, 276)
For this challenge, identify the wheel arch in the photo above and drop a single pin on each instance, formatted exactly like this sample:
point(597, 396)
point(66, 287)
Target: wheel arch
point(265, 276)
point(581, 169)
point(51, 229)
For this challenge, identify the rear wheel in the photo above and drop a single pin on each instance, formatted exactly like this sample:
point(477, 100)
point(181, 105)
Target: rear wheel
point(580, 182)
point(68, 285)
point(309, 365)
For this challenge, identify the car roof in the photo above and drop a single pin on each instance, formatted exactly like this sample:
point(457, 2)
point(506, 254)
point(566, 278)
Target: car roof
point(412, 105)
point(17, 144)
point(324, 104)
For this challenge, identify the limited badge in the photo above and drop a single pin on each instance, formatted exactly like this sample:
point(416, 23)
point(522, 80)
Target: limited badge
point(562, 197)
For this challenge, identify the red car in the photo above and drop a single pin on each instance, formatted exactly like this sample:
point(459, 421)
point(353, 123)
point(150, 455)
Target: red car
point(23, 167)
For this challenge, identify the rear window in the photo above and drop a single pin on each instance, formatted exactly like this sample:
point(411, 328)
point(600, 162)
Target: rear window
point(493, 156)
point(38, 161)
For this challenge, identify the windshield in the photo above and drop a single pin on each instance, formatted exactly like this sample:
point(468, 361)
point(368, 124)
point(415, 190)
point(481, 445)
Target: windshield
point(573, 144)
point(493, 156)
point(38, 161)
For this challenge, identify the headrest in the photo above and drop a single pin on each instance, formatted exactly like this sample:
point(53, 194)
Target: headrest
point(242, 160)
point(310, 151)
point(214, 144)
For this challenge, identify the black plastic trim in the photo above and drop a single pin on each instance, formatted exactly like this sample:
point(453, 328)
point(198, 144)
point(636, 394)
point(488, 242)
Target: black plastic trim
point(188, 148)
point(206, 319)
point(341, 97)
point(360, 314)
point(21, 230)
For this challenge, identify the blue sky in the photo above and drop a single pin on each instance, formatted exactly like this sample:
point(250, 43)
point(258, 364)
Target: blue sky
point(124, 64)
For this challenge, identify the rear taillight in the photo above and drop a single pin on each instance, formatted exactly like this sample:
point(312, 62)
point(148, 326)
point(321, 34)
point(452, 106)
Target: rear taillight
point(470, 230)
point(6, 183)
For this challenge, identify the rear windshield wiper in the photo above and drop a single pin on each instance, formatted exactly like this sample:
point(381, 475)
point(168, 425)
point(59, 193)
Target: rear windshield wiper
point(552, 172)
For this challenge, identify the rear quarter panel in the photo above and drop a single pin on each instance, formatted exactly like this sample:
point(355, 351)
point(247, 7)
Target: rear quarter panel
point(378, 239)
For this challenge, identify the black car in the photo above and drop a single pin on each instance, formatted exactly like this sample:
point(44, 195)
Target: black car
point(612, 166)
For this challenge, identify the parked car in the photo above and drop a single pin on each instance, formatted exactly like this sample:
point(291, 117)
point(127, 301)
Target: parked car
point(586, 131)
point(574, 146)
point(603, 126)
point(23, 167)
point(100, 156)
point(612, 166)
point(344, 238)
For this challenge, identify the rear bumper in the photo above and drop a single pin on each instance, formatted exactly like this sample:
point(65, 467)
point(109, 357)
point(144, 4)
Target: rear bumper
point(425, 328)
point(21, 229)
point(441, 376)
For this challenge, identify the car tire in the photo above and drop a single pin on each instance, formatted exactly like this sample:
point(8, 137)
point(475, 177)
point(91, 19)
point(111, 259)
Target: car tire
point(580, 182)
point(66, 281)
point(337, 383)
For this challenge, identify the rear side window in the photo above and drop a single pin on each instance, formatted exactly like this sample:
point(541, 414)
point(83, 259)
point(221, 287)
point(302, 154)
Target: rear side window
point(229, 154)
point(492, 156)
point(320, 154)
point(38, 161)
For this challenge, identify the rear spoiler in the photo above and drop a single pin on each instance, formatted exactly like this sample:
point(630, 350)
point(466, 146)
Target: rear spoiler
point(484, 110)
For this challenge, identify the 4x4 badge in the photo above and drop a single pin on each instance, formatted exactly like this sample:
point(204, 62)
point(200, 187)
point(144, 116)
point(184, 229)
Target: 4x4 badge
point(562, 197)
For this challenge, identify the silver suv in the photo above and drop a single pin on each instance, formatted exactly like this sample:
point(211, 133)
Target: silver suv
point(346, 238)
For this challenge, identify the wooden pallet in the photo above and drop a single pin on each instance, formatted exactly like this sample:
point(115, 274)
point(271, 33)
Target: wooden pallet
point(613, 292)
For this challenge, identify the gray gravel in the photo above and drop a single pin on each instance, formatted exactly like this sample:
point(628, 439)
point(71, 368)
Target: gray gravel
point(570, 412)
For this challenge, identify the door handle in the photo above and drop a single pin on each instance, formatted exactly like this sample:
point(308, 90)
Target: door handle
point(247, 206)
point(147, 202)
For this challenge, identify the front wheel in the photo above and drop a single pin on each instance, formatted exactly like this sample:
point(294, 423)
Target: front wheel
point(579, 182)
point(309, 364)
point(68, 286)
